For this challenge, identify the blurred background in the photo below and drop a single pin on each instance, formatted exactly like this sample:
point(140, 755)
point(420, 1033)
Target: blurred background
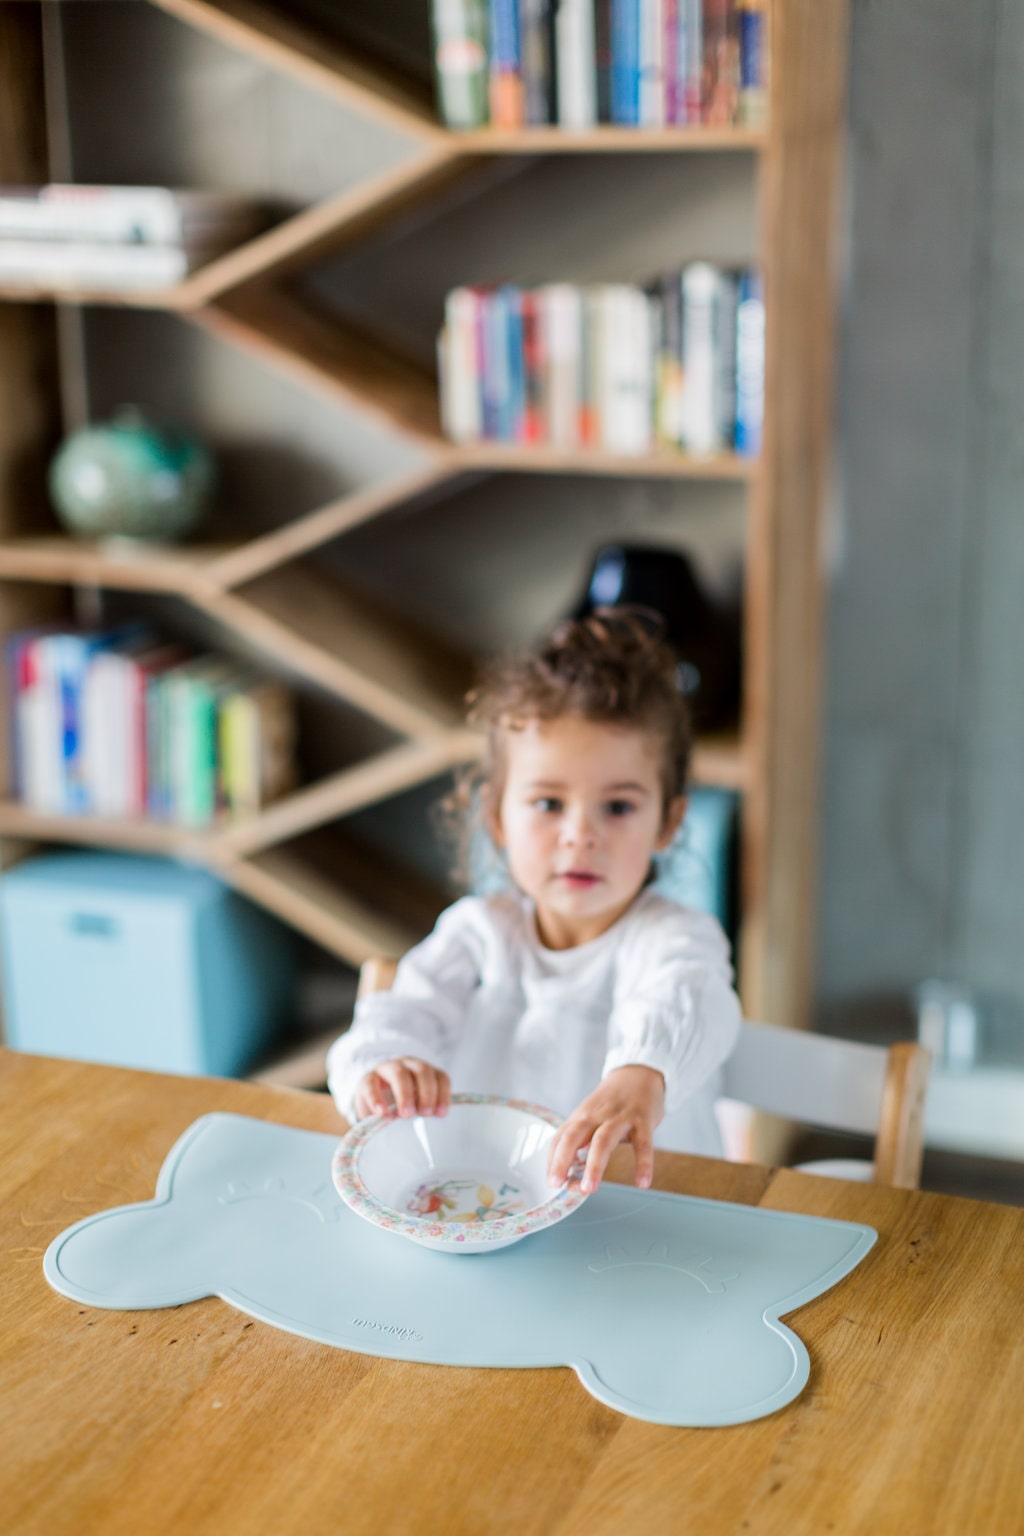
point(915, 811)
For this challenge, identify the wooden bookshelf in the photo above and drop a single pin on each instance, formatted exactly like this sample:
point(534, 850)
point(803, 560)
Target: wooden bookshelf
point(276, 595)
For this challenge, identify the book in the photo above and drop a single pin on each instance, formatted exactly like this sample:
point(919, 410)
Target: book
point(35, 716)
point(703, 296)
point(724, 404)
point(495, 369)
point(752, 107)
point(675, 106)
point(537, 36)
point(505, 76)
point(562, 309)
point(460, 366)
point(461, 61)
point(603, 59)
point(625, 401)
point(257, 735)
point(116, 744)
point(750, 362)
point(690, 58)
point(651, 65)
point(720, 52)
point(195, 691)
point(124, 215)
point(510, 300)
point(668, 415)
point(98, 265)
point(625, 61)
point(576, 64)
point(534, 369)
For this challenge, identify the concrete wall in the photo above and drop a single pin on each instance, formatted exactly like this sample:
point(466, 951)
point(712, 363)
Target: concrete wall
point(923, 796)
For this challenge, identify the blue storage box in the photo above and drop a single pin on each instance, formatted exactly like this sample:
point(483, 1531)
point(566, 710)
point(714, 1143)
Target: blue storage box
point(139, 962)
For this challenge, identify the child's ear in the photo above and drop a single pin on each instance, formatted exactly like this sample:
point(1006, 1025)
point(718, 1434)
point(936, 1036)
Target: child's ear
point(674, 813)
point(492, 820)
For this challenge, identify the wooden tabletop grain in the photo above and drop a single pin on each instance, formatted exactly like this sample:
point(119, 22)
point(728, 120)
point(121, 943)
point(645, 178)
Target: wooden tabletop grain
point(198, 1420)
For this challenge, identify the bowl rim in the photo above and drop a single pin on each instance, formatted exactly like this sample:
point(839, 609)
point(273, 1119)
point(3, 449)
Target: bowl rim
point(350, 1186)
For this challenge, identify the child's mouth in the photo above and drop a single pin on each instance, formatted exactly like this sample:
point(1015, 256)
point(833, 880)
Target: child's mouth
point(579, 879)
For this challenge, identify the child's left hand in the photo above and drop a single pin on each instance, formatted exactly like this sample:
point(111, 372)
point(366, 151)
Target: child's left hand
point(626, 1106)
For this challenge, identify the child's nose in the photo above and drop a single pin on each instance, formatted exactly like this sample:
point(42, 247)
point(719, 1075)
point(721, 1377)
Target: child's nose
point(579, 829)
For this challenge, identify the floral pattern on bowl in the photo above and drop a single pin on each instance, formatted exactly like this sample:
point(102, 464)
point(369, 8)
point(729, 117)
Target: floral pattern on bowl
point(441, 1210)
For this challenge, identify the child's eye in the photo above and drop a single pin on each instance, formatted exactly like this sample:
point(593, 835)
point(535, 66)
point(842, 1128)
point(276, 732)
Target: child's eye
point(548, 804)
point(621, 807)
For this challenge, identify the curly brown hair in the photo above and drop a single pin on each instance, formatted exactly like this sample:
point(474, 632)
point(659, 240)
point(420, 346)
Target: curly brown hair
point(610, 668)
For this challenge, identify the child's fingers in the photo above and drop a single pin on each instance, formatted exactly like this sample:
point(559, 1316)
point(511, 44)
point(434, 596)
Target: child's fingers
point(603, 1143)
point(426, 1085)
point(402, 1084)
point(571, 1138)
point(372, 1096)
point(643, 1147)
point(444, 1094)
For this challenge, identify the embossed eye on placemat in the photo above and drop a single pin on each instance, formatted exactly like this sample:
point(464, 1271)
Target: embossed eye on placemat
point(667, 1307)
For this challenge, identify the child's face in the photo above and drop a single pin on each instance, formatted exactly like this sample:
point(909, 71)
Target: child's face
point(580, 815)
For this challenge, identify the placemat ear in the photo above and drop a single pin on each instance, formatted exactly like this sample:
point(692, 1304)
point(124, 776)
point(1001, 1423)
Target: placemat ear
point(131, 1257)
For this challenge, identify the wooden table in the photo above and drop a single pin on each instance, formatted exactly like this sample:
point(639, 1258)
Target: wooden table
point(198, 1420)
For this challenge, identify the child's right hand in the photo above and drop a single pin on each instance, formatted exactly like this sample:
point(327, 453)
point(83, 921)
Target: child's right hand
point(405, 1086)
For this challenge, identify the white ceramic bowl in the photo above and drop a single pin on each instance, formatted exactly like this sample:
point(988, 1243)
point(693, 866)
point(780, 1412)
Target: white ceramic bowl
point(471, 1181)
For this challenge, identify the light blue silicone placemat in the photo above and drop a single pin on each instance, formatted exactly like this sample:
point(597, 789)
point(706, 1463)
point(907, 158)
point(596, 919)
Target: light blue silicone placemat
point(666, 1307)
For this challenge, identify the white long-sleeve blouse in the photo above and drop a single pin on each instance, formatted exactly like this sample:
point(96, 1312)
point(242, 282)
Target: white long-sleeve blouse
point(482, 999)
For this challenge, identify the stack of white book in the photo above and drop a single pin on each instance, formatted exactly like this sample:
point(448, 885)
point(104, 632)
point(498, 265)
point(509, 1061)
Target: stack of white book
point(108, 238)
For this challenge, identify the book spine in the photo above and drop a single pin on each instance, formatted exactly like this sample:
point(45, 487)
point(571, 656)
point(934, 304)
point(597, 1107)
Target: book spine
point(103, 736)
point(19, 677)
point(275, 741)
point(721, 63)
point(562, 314)
point(700, 284)
point(626, 405)
point(691, 57)
point(750, 364)
point(505, 79)
point(66, 264)
point(460, 385)
point(603, 59)
point(132, 215)
point(496, 404)
point(625, 69)
point(576, 62)
point(534, 414)
point(157, 797)
point(193, 751)
point(538, 64)
point(752, 107)
point(516, 410)
point(669, 408)
point(586, 430)
point(460, 61)
point(674, 106)
point(725, 359)
point(39, 730)
point(651, 65)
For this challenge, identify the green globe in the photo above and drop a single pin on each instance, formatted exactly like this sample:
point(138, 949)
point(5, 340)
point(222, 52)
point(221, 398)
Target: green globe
point(129, 478)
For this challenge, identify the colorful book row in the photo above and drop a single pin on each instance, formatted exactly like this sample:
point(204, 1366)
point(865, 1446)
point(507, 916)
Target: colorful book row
point(123, 724)
point(578, 63)
point(677, 364)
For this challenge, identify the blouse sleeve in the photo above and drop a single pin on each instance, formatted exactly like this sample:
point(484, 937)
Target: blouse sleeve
point(419, 1015)
point(675, 1008)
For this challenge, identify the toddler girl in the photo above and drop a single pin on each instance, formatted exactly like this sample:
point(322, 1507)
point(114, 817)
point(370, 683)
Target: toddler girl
point(581, 988)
